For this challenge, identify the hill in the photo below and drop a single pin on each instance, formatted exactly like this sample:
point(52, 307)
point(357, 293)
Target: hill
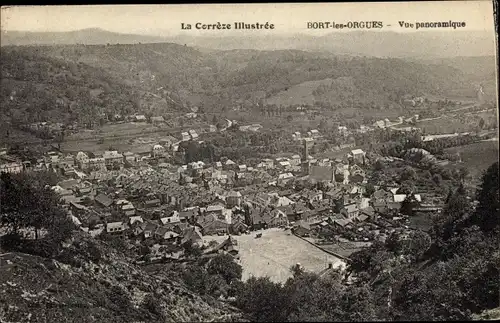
point(366, 43)
point(107, 289)
point(76, 82)
point(89, 36)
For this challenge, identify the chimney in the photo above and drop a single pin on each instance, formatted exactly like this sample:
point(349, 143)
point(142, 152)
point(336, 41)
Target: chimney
point(330, 265)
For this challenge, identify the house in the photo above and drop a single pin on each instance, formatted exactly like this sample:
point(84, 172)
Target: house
point(356, 174)
point(229, 245)
point(260, 219)
point(381, 195)
point(399, 198)
point(314, 134)
point(157, 120)
point(115, 227)
point(85, 191)
point(238, 227)
point(278, 218)
point(214, 227)
point(380, 206)
point(135, 220)
point(277, 201)
point(233, 199)
point(312, 196)
point(364, 203)
point(77, 208)
point(112, 158)
point(12, 168)
point(130, 157)
point(185, 136)
point(358, 156)
point(158, 151)
point(165, 234)
point(68, 184)
point(350, 210)
point(193, 134)
point(215, 209)
point(97, 163)
point(140, 118)
point(379, 124)
point(229, 164)
point(172, 218)
point(148, 229)
point(342, 222)
point(322, 173)
point(302, 229)
point(268, 163)
point(188, 214)
point(369, 211)
point(82, 160)
point(103, 200)
point(295, 160)
point(193, 236)
point(152, 203)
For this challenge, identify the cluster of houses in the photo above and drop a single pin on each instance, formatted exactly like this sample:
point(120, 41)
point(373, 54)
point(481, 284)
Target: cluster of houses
point(165, 206)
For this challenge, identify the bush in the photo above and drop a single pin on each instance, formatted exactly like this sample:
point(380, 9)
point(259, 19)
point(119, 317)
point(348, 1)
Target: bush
point(152, 304)
point(225, 266)
point(263, 299)
point(119, 298)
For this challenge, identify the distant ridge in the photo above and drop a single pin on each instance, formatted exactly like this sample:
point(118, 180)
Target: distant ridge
point(89, 36)
point(429, 44)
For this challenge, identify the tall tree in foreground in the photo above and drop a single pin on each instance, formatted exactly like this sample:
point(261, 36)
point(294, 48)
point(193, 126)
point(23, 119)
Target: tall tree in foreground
point(487, 215)
point(28, 203)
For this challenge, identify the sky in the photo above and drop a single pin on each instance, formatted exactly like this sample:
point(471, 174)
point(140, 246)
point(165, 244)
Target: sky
point(287, 18)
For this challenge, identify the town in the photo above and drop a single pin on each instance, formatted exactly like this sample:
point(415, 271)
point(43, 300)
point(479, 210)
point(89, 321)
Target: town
point(161, 206)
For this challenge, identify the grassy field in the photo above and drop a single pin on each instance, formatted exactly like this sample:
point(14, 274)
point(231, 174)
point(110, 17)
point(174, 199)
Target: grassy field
point(275, 252)
point(298, 94)
point(477, 157)
point(110, 130)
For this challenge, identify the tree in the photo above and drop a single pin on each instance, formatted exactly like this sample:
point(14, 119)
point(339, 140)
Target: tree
point(417, 244)
point(379, 165)
point(289, 118)
point(408, 174)
point(263, 299)
point(369, 189)
point(27, 202)
point(487, 214)
point(297, 270)
point(225, 266)
point(191, 249)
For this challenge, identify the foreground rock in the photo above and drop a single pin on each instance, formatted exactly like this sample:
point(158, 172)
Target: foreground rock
point(107, 289)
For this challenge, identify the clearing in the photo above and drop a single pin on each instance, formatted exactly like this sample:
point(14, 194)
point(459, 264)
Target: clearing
point(275, 252)
point(477, 157)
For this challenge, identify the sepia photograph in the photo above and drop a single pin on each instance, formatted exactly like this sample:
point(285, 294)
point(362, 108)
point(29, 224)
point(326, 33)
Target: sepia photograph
point(272, 162)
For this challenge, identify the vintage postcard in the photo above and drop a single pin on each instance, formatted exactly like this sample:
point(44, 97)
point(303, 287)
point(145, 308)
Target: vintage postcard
point(249, 162)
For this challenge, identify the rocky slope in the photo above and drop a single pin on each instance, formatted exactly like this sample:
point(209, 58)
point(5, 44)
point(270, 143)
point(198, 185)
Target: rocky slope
point(92, 283)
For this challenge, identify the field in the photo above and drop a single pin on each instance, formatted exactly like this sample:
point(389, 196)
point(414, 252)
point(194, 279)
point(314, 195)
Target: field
point(452, 124)
point(477, 157)
point(275, 252)
point(117, 136)
point(298, 94)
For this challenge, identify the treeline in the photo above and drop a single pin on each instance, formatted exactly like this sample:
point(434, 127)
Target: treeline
point(238, 146)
